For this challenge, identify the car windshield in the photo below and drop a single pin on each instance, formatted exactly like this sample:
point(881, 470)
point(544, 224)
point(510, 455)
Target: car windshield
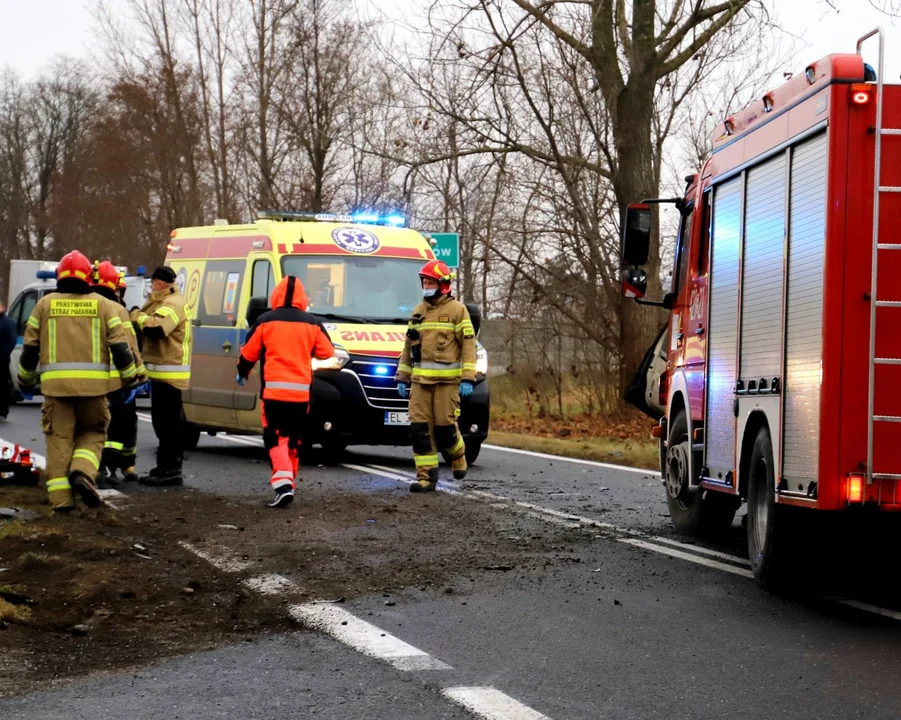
point(357, 288)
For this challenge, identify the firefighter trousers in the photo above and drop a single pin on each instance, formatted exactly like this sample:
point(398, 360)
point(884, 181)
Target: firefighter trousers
point(283, 427)
point(433, 422)
point(121, 441)
point(75, 430)
point(166, 417)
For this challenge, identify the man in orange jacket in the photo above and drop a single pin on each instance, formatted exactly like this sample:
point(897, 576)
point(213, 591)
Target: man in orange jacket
point(284, 340)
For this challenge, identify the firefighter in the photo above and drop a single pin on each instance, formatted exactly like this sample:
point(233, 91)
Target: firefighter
point(285, 339)
point(120, 449)
point(439, 358)
point(73, 333)
point(165, 328)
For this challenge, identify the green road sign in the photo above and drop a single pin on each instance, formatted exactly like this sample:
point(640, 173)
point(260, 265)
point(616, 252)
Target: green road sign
point(448, 248)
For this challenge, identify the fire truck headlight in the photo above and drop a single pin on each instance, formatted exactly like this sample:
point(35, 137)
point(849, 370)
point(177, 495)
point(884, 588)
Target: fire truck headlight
point(335, 362)
point(481, 361)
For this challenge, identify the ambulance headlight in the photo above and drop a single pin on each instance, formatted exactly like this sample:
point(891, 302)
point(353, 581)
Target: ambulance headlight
point(335, 362)
point(481, 361)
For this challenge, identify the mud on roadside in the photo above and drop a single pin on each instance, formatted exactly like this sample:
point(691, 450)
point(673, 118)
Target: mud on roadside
point(111, 589)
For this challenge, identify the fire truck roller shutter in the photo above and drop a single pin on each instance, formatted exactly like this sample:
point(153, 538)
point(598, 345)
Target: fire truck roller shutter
point(761, 295)
point(804, 321)
point(722, 331)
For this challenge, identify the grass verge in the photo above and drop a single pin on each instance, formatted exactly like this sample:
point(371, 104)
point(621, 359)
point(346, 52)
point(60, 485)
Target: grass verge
point(635, 454)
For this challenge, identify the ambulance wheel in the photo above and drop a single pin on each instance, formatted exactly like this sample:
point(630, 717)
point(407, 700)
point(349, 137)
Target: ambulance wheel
point(191, 435)
point(333, 452)
point(473, 448)
point(770, 526)
point(694, 511)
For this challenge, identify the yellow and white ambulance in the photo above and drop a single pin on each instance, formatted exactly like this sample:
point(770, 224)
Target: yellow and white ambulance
point(361, 276)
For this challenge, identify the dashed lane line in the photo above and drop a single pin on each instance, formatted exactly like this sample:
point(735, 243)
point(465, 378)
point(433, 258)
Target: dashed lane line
point(220, 558)
point(491, 704)
point(575, 461)
point(364, 637)
point(273, 584)
point(672, 552)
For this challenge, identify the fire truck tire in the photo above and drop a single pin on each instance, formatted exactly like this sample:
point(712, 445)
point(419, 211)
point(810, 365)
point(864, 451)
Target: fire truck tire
point(769, 527)
point(693, 511)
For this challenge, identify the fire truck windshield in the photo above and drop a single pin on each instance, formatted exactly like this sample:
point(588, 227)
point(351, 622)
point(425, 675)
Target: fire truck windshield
point(358, 288)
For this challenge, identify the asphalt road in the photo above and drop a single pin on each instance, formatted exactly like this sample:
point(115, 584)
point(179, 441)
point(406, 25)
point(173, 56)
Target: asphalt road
point(629, 623)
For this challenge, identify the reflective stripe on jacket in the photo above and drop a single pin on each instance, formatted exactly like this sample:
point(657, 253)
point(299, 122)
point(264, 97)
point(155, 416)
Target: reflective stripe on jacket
point(440, 345)
point(284, 341)
point(115, 378)
point(71, 339)
point(165, 327)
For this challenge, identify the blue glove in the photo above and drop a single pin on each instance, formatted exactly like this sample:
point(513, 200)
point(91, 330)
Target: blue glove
point(403, 390)
point(240, 381)
point(27, 392)
point(466, 388)
point(130, 395)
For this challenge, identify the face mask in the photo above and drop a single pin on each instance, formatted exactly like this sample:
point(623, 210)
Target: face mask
point(430, 293)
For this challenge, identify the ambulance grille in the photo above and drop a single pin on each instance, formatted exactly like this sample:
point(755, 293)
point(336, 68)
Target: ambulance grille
point(377, 378)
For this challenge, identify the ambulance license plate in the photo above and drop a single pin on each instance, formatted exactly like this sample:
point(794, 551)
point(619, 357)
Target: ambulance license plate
point(397, 418)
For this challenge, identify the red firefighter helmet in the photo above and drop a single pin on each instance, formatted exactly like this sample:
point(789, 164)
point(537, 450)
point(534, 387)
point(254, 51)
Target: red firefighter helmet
point(437, 270)
point(105, 275)
point(74, 265)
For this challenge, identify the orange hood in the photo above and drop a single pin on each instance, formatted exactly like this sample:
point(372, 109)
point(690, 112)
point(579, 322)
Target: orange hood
point(298, 295)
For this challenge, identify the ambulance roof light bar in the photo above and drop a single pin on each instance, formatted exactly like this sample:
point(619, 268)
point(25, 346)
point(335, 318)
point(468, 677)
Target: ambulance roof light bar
point(363, 218)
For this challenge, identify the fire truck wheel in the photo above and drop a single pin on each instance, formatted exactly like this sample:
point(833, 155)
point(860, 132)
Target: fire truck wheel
point(694, 511)
point(769, 531)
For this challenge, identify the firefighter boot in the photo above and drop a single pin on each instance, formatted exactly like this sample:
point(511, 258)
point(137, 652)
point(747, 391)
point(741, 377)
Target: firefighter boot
point(427, 481)
point(129, 474)
point(459, 466)
point(83, 485)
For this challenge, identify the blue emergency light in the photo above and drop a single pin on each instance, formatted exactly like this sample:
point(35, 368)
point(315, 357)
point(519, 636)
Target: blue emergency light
point(141, 271)
point(46, 274)
point(382, 370)
point(362, 217)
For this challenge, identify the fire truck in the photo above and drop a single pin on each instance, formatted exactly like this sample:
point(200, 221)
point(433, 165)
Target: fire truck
point(781, 384)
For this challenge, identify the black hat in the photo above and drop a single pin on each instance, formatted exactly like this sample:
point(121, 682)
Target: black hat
point(166, 274)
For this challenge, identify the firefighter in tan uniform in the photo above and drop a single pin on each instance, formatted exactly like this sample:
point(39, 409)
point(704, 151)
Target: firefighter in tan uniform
point(73, 334)
point(120, 449)
point(440, 358)
point(165, 330)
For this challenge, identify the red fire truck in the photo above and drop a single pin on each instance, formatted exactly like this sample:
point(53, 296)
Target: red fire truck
point(782, 379)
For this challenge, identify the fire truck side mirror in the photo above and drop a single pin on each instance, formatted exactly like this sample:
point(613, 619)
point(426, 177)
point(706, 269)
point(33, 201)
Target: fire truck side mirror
point(636, 240)
point(256, 306)
point(635, 282)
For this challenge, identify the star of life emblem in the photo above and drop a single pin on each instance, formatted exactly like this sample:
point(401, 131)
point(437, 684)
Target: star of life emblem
point(355, 240)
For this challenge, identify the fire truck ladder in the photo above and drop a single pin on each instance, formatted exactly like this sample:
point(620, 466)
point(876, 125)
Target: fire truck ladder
point(878, 247)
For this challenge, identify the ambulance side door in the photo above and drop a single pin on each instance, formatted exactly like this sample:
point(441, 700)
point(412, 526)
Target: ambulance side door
point(217, 341)
point(259, 281)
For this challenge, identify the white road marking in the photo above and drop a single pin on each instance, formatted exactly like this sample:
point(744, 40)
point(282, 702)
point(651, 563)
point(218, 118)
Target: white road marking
point(577, 461)
point(687, 556)
point(703, 550)
point(364, 637)
point(269, 584)
point(491, 704)
point(383, 473)
point(221, 559)
point(249, 440)
point(875, 609)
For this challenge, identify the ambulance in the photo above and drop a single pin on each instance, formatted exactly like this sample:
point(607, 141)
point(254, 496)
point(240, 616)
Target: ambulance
point(360, 273)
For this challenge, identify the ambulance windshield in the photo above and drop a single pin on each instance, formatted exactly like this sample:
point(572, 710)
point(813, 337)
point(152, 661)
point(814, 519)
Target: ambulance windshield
point(358, 288)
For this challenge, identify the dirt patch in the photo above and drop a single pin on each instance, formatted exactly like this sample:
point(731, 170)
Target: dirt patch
point(113, 589)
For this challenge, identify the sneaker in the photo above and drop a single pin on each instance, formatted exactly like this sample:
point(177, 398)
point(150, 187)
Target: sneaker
point(85, 489)
point(284, 496)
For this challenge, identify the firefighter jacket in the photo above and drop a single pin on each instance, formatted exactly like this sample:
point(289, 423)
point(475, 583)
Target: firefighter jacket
point(73, 337)
point(115, 378)
point(285, 340)
point(165, 327)
point(440, 345)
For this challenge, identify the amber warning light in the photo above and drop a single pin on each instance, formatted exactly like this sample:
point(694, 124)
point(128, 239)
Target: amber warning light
point(855, 488)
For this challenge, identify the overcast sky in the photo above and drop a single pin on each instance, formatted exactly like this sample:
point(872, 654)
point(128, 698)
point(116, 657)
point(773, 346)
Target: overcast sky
point(36, 30)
